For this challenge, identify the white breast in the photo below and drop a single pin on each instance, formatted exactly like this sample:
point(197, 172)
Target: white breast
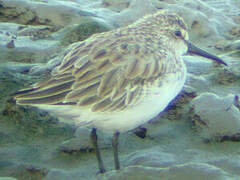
point(150, 106)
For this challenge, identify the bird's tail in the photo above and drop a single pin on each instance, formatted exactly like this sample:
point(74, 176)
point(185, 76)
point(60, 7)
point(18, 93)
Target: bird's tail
point(50, 92)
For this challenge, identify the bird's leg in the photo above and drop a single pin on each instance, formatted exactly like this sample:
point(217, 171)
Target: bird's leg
point(115, 150)
point(95, 145)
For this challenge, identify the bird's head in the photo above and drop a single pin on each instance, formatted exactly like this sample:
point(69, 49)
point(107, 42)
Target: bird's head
point(175, 30)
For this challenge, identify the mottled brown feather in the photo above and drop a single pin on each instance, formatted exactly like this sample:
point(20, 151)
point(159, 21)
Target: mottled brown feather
point(58, 98)
point(75, 95)
point(105, 72)
point(48, 91)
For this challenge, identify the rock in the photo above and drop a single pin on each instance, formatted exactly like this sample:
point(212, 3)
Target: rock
point(82, 142)
point(190, 90)
point(80, 32)
point(229, 165)
point(235, 31)
point(223, 45)
point(175, 109)
point(64, 37)
point(199, 83)
point(141, 132)
point(7, 178)
point(22, 171)
point(235, 45)
point(38, 32)
point(216, 116)
point(10, 44)
point(228, 45)
point(197, 65)
point(226, 77)
point(18, 48)
point(199, 171)
point(55, 174)
point(203, 20)
point(117, 6)
point(76, 145)
point(19, 14)
point(151, 157)
point(40, 13)
point(134, 11)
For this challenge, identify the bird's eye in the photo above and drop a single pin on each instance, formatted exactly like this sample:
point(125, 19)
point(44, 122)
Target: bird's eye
point(178, 33)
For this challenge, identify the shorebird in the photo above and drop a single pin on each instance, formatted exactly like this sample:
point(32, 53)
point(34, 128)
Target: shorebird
point(118, 80)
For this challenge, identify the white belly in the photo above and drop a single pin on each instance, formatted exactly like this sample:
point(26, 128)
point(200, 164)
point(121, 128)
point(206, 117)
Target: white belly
point(150, 107)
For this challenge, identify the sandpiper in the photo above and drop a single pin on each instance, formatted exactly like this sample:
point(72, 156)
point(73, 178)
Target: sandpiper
point(118, 80)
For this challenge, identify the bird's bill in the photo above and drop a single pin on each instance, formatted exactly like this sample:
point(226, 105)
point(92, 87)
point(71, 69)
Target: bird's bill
point(192, 49)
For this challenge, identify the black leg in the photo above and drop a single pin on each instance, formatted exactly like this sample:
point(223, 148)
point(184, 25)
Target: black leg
point(95, 145)
point(115, 150)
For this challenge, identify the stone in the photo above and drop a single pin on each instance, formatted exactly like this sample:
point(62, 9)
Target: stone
point(55, 174)
point(81, 141)
point(7, 178)
point(134, 11)
point(216, 116)
point(229, 165)
point(199, 83)
point(226, 77)
point(141, 132)
point(199, 171)
point(80, 32)
point(22, 48)
point(152, 157)
point(117, 6)
point(197, 65)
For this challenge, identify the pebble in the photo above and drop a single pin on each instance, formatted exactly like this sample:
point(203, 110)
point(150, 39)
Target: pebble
point(216, 116)
point(82, 142)
point(56, 174)
point(7, 178)
point(198, 171)
point(152, 157)
point(197, 65)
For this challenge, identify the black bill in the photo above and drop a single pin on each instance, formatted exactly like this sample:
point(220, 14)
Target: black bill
point(195, 50)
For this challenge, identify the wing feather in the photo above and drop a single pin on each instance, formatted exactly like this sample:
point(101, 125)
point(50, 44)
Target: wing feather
point(105, 76)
